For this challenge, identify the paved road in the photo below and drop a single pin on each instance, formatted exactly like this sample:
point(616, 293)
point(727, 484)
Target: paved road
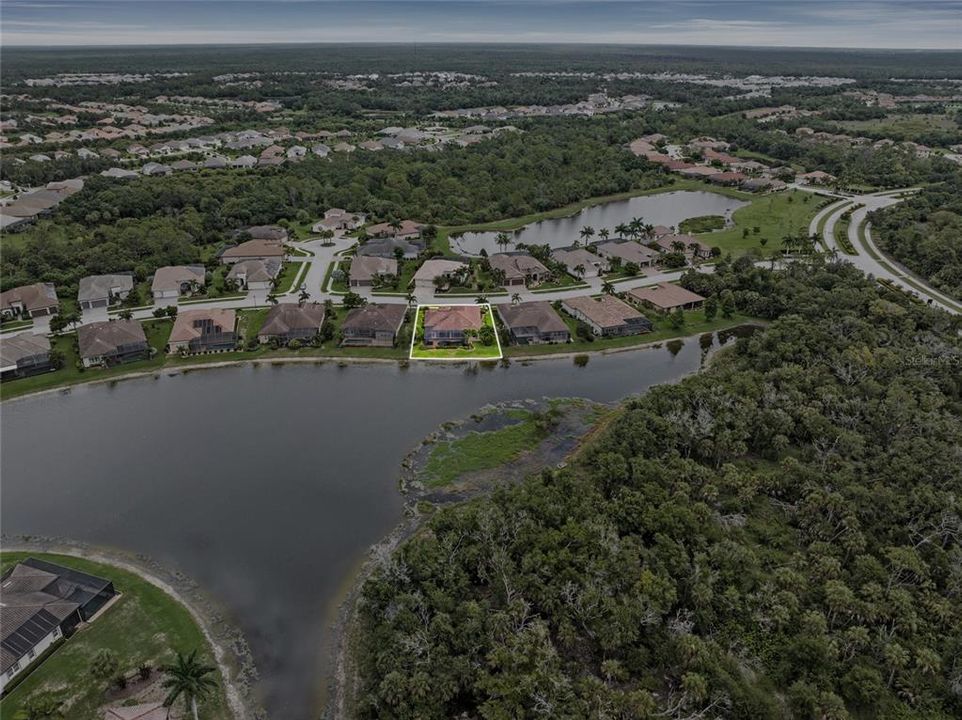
point(868, 258)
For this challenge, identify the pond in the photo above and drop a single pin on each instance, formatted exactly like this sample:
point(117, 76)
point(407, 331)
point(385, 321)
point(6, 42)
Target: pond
point(265, 484)
point(668, 209)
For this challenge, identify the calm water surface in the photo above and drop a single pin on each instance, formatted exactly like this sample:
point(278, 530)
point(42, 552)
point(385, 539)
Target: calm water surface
point(264, 484)
point(667, 209)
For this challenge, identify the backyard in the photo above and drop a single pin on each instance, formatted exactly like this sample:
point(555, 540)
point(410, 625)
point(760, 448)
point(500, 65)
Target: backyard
point(475, 351)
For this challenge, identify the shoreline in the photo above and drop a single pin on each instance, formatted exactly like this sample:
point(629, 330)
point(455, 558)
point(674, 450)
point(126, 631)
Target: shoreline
point(235, 666)
point(352, 360)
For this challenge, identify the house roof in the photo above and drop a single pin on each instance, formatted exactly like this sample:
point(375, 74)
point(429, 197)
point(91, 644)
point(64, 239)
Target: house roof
point(98, 287)
point(665, 295)
point(267, 232)
point(172, 277)
point(605, 311)
point(285, 317)
point(185, 329)
point(436, 267)
point(538, 313)
point(572, 258)
point(516, 265)
point(384, 247)
point(17, 347)
point(365, 267)
point(452, 317)
point(255, 270)
point(254, 248)
point(408, 227)
point(102, 338)
point(629, 251)
point(376, 317)
point(32, 297)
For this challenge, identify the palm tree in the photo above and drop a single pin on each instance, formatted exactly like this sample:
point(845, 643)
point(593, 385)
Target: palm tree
point(481, 299)
point(411, 298)
point(272, 298)
point(648, 231)
point(503, 240)
point(634, 227)
point(126, 314)
point(304, 296)
point(622, 230)
point(579, 270)
point(187, 678)
point(516, 299)
point(604, 233)
point(607, 287)
point(587, 232)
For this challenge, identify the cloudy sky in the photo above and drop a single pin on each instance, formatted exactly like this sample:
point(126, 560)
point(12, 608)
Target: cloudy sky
point(810, 23)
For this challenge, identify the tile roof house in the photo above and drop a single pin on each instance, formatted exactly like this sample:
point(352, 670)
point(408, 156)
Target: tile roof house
point(337, 219)
point(173, 281)
point(431, 269)
point(43, 602)
point(24, 354)
point(101, 290)
point(519, 268)
point(627, 251)
point(274, 233)
point(817, 177)
point(408, 229)
point(291, 321)
point(571, 258)
point(254, 250)
point(666, 243)
point(30, 301)
point(727, 178)
point(203, 330)
point(607, 316)
point(112, 342)
point(448, 325)
point(533, 322)
point(365, 269)
point(254, 274)
point(374, 325)
point(667, 297)
point(387, 248)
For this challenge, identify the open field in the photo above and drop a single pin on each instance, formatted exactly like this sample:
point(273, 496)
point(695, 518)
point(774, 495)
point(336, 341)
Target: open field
point(144, 625)
point(774, 216)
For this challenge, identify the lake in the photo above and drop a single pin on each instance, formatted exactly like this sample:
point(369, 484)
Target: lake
point(265, 484)
point(668, 209)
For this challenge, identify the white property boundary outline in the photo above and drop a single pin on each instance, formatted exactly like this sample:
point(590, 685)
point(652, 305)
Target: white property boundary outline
point(414, 333)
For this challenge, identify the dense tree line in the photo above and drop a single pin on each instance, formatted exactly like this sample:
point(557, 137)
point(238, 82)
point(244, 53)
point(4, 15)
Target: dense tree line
point(779, 536)
point(924, 233)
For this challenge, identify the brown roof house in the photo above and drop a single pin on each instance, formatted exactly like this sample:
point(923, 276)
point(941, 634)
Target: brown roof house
point(112, 342)
point(607, 316)
point(374, 325)
point(449, 325)
point(337, 219)
point(268, 232)
point(817, 177)
point(254, 250)
point(627, 251)
point(408, 229)
point(254, 274)
point(172, 281)
point(519, 268)
point(42, 603)
point(98, 291)
point(426, 275)
point(203, 330)
point(24, 354)
point(290, 321)
point(29, 301)
point(667, 297)
point(365, 270)
point(575, 258)
point(689, 245)
point(531, 323)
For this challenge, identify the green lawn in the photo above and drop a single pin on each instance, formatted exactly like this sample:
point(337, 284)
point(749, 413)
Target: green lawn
point(775, 216)
point(695, 324)
point(841, 233)
point(564, 281)
point(481, 451)
point(291, 272)
point(145, 625)
point(701, 224)
point(477, 351)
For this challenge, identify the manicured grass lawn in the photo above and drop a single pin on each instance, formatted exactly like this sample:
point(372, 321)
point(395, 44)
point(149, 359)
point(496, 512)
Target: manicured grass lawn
point(477, 351)
point(480, 451)
point(9, 325)
point(145, 625)
point(290, 272)
point(563, 281)
point(775, 216)
point(695, 324)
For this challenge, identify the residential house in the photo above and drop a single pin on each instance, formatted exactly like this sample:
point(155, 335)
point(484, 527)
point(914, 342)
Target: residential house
point(700, 172)
point(99, 291)
point(580, 263)
point(448, 325)
point(607, 316)
point(182, 165)
point(119, 173)
point(254, 250)
point(365, 269)
point(519, 269)
point(244, 162)
point(406, 230)
point(291, 321)
point(388, 248)
point(817, 177)
point(337, 219)
point(321, 150)
point(215, 163)
point(42, 603)
point(203, 330)
point(667, 297)
point(727, 178)
point(425, 277)
point(24, 354)
point(687, 244)
point(628, 251)
point(374, 325)
point(254, 274)
point(29, 301)
point(173, 281)
point(274, 233)
point(156, 169)
point(112, 342)
point(530, 323)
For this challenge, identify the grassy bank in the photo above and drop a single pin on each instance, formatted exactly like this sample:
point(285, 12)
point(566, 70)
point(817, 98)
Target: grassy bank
point(761, 225)
point(144, 625)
